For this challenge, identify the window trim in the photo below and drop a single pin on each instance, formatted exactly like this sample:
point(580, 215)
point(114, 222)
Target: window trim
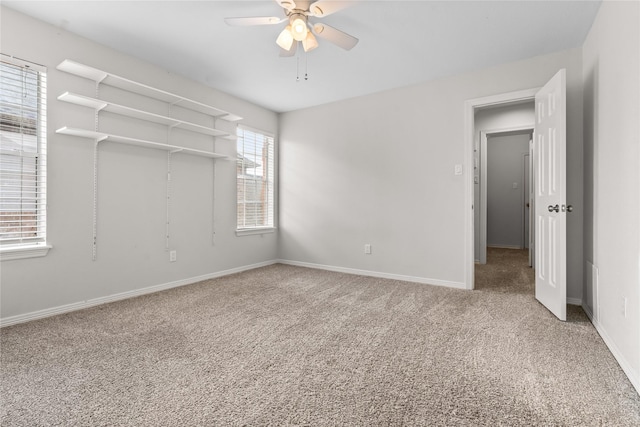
point(252, 231)
point(11, 251)
point(261, 230)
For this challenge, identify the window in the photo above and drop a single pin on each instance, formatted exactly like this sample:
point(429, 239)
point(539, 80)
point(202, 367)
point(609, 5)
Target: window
point(22, 159)
point(255, 182)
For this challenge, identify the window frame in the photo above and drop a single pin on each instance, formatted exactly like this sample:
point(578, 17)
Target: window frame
point(271, 180)
point(11, 248)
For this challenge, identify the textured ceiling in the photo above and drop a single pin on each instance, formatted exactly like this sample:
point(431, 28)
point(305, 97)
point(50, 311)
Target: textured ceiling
point(401, 42)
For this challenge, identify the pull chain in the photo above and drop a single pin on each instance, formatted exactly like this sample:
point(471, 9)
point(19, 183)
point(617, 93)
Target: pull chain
point(306, 67)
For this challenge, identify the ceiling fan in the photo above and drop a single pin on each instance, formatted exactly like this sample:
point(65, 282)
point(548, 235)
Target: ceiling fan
point(301, 25)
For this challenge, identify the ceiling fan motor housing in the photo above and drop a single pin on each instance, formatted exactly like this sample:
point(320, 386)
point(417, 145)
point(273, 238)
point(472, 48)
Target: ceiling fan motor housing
point(299, 29)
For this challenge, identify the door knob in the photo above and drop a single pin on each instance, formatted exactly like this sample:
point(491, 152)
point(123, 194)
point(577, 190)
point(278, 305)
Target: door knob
point(569, 208)
point(555, 208)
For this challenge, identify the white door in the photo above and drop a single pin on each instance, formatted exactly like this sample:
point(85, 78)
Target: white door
point(550, 196)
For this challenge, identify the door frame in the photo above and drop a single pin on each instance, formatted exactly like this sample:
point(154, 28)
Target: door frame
point(526, 193)
point(469, 144)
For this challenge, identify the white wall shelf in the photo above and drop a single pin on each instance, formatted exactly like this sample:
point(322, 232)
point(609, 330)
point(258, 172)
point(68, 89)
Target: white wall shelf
point(186, 106)
point(114, 80)
point(101, 136)
point(101, 105)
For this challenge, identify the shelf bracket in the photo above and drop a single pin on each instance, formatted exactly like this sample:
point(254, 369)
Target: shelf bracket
point(167, 243)
point(213, 191)
point(94, 254)
point(95, 201)
point(102, 77)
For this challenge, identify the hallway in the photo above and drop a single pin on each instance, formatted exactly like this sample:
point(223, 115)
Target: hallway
point(506, 270)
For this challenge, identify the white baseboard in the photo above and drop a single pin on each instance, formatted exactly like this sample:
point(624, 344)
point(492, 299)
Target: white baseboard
point(423, 280)
point(48, 312)
point(624, 364)
point(574, 301)
point(589, 313)
point(505, 246)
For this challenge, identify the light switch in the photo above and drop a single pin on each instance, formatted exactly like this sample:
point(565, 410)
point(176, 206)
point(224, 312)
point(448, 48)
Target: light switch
point(515, 185)
point(457, 170)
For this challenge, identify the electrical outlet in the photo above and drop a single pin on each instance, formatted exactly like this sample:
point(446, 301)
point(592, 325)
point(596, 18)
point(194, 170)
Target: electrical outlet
point(173, 256)
point(367, 249)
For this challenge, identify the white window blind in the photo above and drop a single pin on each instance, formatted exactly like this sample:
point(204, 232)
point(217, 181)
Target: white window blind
point(22, 154)
point(255, 182)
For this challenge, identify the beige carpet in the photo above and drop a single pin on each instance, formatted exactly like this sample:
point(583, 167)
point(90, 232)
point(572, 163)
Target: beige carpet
point(284, 345)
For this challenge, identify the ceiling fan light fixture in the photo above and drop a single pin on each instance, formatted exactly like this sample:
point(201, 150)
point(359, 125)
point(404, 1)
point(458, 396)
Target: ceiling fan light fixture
point(299, 28)
point(310, 42)
point(285, 39)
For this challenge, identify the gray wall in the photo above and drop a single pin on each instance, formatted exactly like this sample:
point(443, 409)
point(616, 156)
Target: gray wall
point(379, 169)
point(132, 188)
point(505, 204)
point(611, 67)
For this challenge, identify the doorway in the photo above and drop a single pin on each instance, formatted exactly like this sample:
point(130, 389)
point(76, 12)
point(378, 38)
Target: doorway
point(503, 191)
point(505, 109)
point(505, 259)
point(509, 126)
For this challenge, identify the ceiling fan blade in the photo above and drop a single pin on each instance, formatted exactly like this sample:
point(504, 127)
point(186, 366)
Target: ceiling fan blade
point(287, 4)
point(335, 36)
point(290, 52)
point(253, 20)
point(322, 8)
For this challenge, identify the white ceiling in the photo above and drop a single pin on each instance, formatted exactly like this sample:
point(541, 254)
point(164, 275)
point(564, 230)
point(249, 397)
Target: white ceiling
point(401, 42)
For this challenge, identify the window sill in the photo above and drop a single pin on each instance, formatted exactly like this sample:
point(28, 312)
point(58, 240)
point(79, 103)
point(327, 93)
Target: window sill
point(252, 231)
point(10, 253)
